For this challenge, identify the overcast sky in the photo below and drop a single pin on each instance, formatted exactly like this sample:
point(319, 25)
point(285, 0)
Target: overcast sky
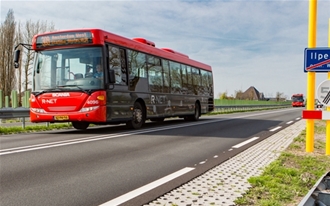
point(256, 43)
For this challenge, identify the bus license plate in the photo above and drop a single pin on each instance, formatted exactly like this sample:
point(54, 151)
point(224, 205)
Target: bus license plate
point(61, 118)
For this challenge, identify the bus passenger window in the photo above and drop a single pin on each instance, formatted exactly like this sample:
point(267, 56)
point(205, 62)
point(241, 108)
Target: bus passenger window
point(205, 82)
point(155, 77)
point(184, 79)
point(166, 76)
point(196, 80)
point(117, 63)
point(137, 70)
point(175, 77)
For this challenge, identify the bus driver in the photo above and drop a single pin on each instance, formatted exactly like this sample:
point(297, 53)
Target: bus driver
point(98, 74)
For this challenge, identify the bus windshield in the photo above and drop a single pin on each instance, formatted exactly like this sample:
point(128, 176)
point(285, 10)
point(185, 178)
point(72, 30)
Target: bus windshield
point(297, 99)
point(68, 69)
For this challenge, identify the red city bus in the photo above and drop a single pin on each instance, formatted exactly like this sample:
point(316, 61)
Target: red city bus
point(135, 82)
point(298, 100)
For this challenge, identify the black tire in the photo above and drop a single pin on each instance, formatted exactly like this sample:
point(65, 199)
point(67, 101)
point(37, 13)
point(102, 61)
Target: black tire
point(80, 125)
point(196, 115)
point(138, 118)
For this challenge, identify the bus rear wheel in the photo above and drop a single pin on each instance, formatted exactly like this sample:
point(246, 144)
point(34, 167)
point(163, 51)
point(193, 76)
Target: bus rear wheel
point(80, 125)
point(138, 117)
point(196, 115)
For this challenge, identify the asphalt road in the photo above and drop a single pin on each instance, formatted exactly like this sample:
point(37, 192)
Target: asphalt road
point(96, 166)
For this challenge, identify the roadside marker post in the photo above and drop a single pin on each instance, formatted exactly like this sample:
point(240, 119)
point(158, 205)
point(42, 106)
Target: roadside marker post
point(312, 20)
point(323, 96)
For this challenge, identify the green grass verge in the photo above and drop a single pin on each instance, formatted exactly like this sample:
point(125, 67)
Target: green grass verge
point(34, 128)
point(289, 178)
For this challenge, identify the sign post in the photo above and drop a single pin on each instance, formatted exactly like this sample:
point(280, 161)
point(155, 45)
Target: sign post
point(312, 20)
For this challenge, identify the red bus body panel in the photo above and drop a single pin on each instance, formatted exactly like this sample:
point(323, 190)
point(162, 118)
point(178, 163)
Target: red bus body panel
point(68, 104)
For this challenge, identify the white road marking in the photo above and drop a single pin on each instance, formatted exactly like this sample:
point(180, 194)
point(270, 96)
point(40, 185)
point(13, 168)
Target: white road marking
point(274, 129)
point(245, 142)
point(130, 195)
point(289, 122)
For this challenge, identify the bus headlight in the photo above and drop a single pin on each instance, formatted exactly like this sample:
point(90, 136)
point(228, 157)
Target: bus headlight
point(37, 110)
point(88, 109)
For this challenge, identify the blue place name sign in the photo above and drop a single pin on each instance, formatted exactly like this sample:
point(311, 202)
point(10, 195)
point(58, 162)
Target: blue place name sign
point(317, 60)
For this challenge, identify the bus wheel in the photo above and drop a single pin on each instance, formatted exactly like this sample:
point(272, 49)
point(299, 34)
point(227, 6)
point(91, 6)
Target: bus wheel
point(196, 115)
point(138, 118)
point(80, 125)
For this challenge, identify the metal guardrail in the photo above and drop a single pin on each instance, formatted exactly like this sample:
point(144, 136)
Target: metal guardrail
point(319, 194)
point(229, 108)
point(11, 113)
point(7, 113)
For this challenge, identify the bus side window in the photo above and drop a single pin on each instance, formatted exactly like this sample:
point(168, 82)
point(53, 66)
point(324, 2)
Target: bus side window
point(184, 76)
point(196, 80)
point(136, 69)
point(166, 76)
point(205, 82)
point(189, 81)
point(118, 64)
point(210, 84)
point(123, 67)
point(155, 77)
point(176, 83)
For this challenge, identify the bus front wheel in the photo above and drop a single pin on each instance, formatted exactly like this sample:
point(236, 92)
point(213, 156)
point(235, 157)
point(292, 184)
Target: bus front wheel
point(80, 125)
point(138, 117)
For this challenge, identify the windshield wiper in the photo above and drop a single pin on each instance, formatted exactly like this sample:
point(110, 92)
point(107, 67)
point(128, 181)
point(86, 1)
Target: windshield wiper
point(73, 85)
point(39, 93)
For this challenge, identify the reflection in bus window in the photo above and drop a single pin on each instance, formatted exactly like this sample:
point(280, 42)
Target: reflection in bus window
point(166, 75)
point(155, 76)
point(175, 77)
point(205, 82)
point(117, 63)
point(136, 67)
point(196, 80)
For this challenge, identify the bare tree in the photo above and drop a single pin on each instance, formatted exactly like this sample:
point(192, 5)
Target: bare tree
point(7, 40)
point(19, 70)
point(31, 29)
point(279, 96)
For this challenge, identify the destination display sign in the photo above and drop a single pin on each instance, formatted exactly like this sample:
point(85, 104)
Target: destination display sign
point(62, 39)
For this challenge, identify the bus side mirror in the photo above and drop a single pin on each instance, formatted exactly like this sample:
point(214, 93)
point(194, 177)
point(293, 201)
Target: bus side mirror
point(16, 58)
point(112, 76)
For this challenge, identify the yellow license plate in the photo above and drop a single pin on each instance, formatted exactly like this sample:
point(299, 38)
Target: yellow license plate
point(61, 118)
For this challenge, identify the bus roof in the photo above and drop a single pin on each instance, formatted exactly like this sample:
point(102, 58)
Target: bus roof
point(99, 37)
